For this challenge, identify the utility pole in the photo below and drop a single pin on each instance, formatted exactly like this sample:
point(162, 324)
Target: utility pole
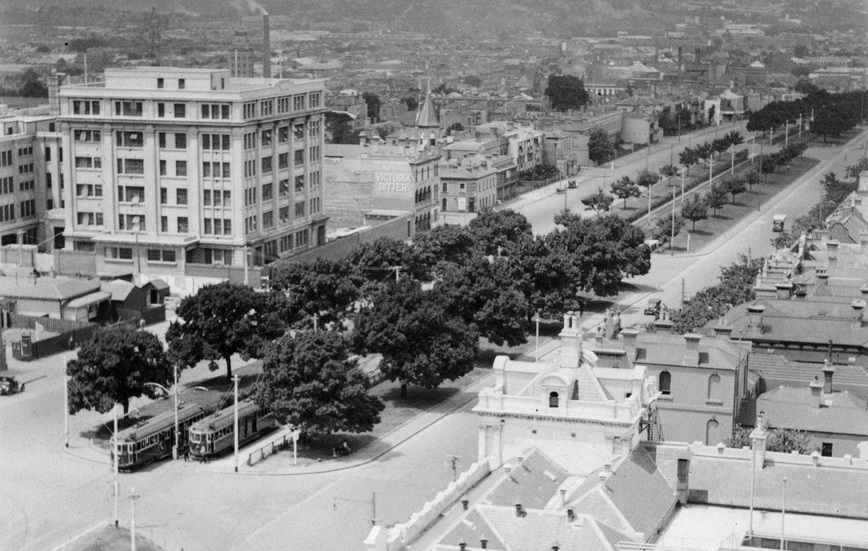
point(315, 322)
point(372, 503)
point(672, 238)
point(683, 172)
point(133, 498)
point(536, 350)
point(175, 450)
point(235, 380)
point(453, 462)
point(65, 403)
point(783, 513)
point(115, 453)
point(787, 133)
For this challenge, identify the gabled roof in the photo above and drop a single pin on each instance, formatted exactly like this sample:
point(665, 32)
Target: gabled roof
point(777, 370)
point(118, 288)
point(46, 288)
point(636, 492)
point(791, 407)
point(531, 482)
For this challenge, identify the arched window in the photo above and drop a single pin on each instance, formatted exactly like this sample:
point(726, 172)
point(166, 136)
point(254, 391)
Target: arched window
point(714, 387)
point(665, 383)
point(553, 400)
point(711, 434)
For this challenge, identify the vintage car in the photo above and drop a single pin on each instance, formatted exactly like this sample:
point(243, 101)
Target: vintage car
point(10, 385)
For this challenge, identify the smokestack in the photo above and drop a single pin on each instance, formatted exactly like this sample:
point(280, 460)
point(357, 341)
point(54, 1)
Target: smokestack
point(266, 47)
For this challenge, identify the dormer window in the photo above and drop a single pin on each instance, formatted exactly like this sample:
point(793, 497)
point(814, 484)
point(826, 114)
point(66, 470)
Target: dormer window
point(553, 400)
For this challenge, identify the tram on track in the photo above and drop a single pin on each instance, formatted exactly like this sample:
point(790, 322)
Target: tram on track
point(216, 433)
point(152, 439)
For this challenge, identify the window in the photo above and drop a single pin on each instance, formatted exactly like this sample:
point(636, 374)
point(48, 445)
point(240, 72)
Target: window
point(131, 222)
point(131, 166)
point(314, 154)
point(161, 110)
point(298, 157)
point(299, 182)
point(616, 445)
point(181, 84)
point(712, 436)
point(714, 387)
point(665, 383)
point(86, 136)
point(162, 167)
point(826, 450)
point(283, 105)
point(160, 83)
point(268, 220)
point(249, 110)
point(250, 141)
point(249, 168)
point(183, 224)
point(266, 107)
point(225, 167)
point(161, 140)
point(161, 255)
point(249, 197)
point(85, 162)
point(283, 214)
point(164, 224)
point(119, 253)
point(164, 196)
point(266, 137)
point(28, 208)
point(7, 212)
point(88, 190)
point(267, 192)
point(283, 134)
point(299, 209)
point(215, 142)
point(128, 108)
point(215, 111)
point(302, 238)
point(180, 168)
point(180, 110)
point(297, 103)
point(283, 160)
point(298, 131)
point(181, 196)
point(553, 399)
point(47, 153)
point(267, 165)
point(85, 107)
point(180, 141)
point(314, 99)
point(313, 128)
point(131, 194)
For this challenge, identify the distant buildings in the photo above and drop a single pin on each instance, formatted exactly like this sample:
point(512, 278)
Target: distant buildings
point(173, 172)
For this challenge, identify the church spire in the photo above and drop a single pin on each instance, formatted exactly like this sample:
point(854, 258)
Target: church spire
point(426, 117)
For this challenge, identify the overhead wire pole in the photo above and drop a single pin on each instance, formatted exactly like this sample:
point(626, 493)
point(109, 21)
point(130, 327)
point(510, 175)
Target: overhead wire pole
point(116, 464)
point(235, 379)
point(372, 503)
point(65, 403)
point(133, 498)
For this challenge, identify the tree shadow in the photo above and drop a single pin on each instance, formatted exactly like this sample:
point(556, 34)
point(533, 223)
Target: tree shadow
point(703, 233)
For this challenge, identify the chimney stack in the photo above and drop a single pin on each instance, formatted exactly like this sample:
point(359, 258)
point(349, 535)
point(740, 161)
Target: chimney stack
point(691, 352)
point(266, 47)
point(629, 337)
point(571, 341)
point(571, 515)
point(55, 81)
point(817, 392)
point(858, 306)
point(784, 290)
point(723, 329)
point(758, 438)
point(755, 318)
point(832, 252)
point(519, 511)
point(828, 373)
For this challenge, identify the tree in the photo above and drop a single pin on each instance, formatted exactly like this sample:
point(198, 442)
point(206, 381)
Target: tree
point(647, 180)
point(779, 440)
point(412, 103)
point(500, 231)
point(688, 158)
point(482, 293)
point(219, 321)
point(829, 121)
point(384, 259)
point(472, 80)
point(734, 186)
point(600, 252)
point(711, 113)
point(309, 383)
point(668, 171)
point(447, 244)
point(566, 92)
point(32, 86)
point(715, 198)
point(624, 188)
point(454, 127)
point(599, 201)
point(338, 127)
point(442, 89)
point(372, 101)
point(695, 209)
point(600, 149)
point(113, 366)
point(752, 179)
point(422, 343)
point(325, 288)
point(805, 86)
point(667, 227)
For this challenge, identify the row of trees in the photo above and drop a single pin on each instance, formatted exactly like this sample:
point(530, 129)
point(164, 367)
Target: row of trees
point(831, 114)
point(422, 306)
point(707, 151)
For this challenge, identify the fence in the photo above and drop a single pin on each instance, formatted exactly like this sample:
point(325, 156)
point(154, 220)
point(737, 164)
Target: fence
point(278, 442)
point(54, 325)
point(151, 315)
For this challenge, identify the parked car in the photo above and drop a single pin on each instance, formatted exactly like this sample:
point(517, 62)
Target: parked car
point(573, 184)
point(10, 385)
point(653, 307)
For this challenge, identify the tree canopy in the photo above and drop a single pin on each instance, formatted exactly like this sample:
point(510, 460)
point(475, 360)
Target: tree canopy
point(372, 101)
point(600, 149)
point(694, 209)
point(310, 383)
point(421, 341)
point(221, 320)
point(113, 367)
point(624, 188)
point(599, 201)
point(566, 92)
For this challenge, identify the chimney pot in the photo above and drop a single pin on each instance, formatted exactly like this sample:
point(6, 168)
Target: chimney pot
point(828, 373)
point(571, 515)
point(483, 543)
point(755, 318)
point(817, 391)
point(462, 546)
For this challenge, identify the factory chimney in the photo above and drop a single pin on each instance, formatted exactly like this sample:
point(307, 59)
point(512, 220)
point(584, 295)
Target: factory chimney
point(266, 48)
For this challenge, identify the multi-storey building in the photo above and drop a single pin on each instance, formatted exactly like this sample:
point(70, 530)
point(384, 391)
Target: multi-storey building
point(30, 177)
point(172, 171)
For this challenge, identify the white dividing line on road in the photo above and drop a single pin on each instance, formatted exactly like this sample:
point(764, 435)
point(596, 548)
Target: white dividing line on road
point(287, 513)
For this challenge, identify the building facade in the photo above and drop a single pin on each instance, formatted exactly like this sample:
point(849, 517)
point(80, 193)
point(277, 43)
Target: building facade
point(30, 178)
point(174, 171)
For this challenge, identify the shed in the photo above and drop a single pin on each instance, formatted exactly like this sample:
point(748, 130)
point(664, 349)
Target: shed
point(156, 291)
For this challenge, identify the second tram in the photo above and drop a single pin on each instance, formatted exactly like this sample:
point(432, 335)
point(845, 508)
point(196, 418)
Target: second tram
point(215, 433)
point(153, 438)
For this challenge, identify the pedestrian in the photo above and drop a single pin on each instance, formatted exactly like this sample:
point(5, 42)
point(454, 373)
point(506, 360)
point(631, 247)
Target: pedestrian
point(186, 455)
point(345, 447)
point(71, 342)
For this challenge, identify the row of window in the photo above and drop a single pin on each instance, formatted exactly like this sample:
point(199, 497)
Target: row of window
point(180, 196)
point(7, 185)
point(266, 107)
point(25, 169)
point(28, 208)
point(90, 218)
point(217, 198)
point(217, 226)
point(182, 223)
point(22, 151)
point(7, 212)
point(6, 158)
point(180, 168)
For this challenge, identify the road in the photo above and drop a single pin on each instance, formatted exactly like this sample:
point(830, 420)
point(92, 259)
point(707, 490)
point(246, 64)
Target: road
point(49, 494)
point(540, 212)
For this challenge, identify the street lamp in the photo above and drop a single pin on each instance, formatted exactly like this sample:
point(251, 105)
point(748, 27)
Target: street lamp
point(536, 351)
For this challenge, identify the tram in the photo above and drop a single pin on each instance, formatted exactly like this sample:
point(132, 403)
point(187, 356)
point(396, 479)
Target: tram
point(153, 438)
point(216, 433)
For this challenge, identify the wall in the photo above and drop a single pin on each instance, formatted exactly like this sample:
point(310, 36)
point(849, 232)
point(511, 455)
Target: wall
point(398, 536)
